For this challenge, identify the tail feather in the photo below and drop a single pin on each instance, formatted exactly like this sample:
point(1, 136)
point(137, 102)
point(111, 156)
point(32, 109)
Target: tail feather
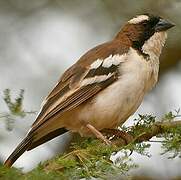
point(20, 149)
point(30, 142)
point(46, 138)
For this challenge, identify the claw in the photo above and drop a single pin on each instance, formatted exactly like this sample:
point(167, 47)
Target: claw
point(116, 133)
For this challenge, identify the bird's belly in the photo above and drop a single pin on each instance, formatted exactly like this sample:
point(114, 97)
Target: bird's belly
point(113, 105)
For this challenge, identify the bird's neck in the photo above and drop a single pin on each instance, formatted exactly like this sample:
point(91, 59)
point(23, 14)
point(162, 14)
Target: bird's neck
point(153, 46)
point(123, 39)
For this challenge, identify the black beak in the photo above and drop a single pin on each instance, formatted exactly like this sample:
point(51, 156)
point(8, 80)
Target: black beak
point(163, 25)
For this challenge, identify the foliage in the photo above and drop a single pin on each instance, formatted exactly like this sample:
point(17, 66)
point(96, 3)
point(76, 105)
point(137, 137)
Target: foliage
point(90, 158)
point(172, 137)
point(7, 174)
point(15, 109)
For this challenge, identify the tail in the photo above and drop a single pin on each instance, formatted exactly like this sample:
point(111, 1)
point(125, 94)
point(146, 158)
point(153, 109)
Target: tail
point(46, 138)
point(29, 143)
point(20, 149)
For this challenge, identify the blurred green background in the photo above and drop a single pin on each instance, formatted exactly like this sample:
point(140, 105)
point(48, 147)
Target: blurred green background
point(39, 39)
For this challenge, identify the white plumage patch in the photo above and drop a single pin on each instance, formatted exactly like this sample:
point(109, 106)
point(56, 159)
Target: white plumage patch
point(154, 44)
point(113, 60)
point(108, 62)
point(96, 79)
point(138, 19)
point(103, 63)
point(96, 64)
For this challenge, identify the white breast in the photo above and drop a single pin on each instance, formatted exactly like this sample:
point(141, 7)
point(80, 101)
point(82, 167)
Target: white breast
point(112, 106)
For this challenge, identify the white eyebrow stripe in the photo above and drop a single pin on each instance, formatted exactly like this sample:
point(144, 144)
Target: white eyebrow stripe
point(96, 64)
point(138, 19)
point(113, 60)
point(96, 79)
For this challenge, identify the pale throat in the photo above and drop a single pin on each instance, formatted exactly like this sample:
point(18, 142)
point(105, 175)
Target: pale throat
point(153, 46)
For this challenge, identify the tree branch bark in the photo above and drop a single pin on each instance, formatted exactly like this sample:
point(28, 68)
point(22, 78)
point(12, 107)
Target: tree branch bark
point(149, 132)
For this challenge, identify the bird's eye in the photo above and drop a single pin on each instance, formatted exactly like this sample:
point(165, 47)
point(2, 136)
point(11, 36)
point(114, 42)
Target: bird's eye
point(144, 23)
point(153, 21)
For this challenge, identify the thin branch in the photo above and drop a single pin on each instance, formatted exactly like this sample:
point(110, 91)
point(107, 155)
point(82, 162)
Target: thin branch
point(149, 132)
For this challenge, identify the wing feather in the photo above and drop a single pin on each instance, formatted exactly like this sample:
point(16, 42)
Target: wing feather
point(70, 93)
point(70, 103)
point(77, 98)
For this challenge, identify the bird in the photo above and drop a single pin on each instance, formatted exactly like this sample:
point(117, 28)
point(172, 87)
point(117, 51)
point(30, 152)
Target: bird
point(104, 87)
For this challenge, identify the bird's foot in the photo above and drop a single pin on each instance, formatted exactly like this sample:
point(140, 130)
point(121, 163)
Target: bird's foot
point(114, 134)
point(98, 134)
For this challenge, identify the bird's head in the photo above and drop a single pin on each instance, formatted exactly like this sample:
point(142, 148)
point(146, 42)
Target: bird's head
point(145, 30)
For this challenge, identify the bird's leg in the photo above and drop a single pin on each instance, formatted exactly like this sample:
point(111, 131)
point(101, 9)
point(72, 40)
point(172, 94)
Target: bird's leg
point(98, 134)
point(116, 133)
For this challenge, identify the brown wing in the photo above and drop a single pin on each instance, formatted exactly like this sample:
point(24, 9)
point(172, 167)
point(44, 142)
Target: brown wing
point(61, 88)
point(69, 93)
point(75, 99)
